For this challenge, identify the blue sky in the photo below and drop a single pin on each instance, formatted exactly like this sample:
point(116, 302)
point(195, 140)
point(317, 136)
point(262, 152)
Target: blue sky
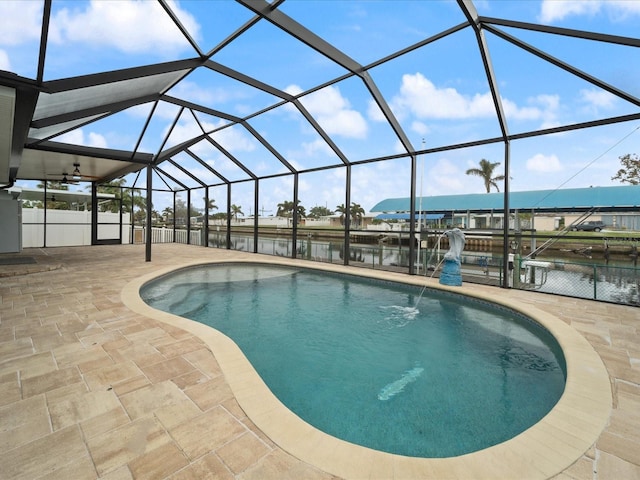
point(439, 93)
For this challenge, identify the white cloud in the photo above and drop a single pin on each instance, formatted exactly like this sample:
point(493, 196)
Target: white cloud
point(231, 139)
point(199, 172)
point(77, 137)
point(554, 10)
point(375, 113)
point(234, 139)
point(74, 137)
point(325, 102)
point(623, 8)
point(97, 140)
point(445, 177)
point(205, 95)
point(165, 110)
point(334, 113)
point(5, 63)
point(310, 149)
point(420, 128)
point(544, 163)
point(420, 97)
point(293, 89)
point(347, 123)
point(511, 110)
point(21, 21)
point(598, 98)
point(130, 26)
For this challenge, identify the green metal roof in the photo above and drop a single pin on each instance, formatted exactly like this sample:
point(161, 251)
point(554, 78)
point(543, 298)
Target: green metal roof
point(622, 198)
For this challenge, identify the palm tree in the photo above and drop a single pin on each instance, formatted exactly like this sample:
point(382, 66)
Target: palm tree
point(235, 211)
point(317, 212)
point(486, 172)
point(356, 212)
point(300, 211)
point(342, 210)
point(285, 209)
point(167, 214)
point(211, 205)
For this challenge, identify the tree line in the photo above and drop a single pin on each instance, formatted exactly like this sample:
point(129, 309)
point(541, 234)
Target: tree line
point(127, 201)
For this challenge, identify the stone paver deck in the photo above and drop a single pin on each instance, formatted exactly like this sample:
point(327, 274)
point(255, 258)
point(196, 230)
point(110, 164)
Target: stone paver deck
point(91, 389)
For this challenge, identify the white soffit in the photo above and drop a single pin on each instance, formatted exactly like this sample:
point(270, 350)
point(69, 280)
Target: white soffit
point(7, 111)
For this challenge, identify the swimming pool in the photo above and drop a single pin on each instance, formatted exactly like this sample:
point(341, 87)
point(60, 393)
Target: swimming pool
point(433, 382)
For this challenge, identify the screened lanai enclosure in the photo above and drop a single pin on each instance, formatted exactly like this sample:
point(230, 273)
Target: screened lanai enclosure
point(275, 127)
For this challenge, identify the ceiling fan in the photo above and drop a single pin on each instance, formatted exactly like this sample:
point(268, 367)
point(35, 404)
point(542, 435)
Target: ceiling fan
point(74, 177)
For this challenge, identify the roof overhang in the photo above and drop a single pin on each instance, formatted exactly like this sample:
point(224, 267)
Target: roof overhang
point(52, 160)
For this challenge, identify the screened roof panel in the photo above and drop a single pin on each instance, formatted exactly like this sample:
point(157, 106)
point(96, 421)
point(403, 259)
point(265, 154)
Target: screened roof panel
point(272, 56)
point(106, 64)
point(214, 21)
point(188, 171)
point(366, 32)
point(200, 160)
point(106, 131)
point(158, 128)
point(445, 106)
point(290, 133)
point(610, 17)
point(240, 153)
point(511, 9)
point(210, 122)
point(58, 128)
point(611, 62)
point(182, 131)
point(557, 98)
point(218, 92)
point(160, 183)
point(85, 36)
point(20, 37)
point(73, 100)
point(252, 150)
point(347, 113)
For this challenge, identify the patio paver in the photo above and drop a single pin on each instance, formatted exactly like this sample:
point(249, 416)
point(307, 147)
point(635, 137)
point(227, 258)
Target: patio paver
point(90, 389)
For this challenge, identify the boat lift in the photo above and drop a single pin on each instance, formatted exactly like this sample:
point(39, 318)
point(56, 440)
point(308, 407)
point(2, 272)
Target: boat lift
point(533, 273)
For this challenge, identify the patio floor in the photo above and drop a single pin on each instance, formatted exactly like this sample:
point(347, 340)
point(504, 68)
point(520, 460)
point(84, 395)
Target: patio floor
point(91, 389)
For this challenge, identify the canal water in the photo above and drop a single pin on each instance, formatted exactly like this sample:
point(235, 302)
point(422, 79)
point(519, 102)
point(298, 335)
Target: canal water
point(574, 275)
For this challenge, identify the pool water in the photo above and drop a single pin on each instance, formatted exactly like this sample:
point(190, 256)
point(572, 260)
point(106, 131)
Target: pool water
point(356, 359)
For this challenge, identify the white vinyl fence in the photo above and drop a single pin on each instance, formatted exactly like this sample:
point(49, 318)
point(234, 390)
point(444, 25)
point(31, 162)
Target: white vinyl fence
point(66, 228)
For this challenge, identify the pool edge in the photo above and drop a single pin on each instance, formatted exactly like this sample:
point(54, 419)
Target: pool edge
point(542, 451)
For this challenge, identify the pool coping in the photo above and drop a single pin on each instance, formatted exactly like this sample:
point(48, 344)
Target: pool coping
point(542, 451)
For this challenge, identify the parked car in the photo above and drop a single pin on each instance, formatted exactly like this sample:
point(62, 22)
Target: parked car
point(593, 226)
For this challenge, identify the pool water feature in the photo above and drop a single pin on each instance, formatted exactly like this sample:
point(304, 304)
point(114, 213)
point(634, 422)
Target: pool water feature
point(356, 359)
